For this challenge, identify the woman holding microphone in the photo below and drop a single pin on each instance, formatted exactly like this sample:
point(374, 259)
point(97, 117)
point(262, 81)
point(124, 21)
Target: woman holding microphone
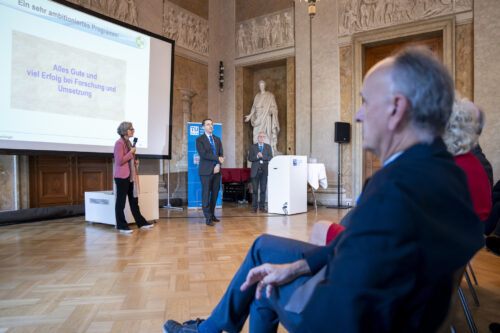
point(127, 180)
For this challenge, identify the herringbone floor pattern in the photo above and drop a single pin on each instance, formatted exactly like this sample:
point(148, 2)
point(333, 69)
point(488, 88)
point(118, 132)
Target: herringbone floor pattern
point(68, 275)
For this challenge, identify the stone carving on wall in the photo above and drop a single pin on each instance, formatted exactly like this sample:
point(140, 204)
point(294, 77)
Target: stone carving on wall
point(361, 15)
point(123, 10)
point(187, 29)
point(265, 33)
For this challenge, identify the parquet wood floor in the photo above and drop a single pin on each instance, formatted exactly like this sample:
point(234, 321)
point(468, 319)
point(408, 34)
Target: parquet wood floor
point(68, 275)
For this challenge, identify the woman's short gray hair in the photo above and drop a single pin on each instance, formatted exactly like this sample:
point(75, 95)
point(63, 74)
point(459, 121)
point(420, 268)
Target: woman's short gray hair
point(460, 135)
point(426, 83)
point(123, 128)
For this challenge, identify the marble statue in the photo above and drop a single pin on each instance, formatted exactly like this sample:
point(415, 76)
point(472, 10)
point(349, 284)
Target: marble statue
point(264, 117)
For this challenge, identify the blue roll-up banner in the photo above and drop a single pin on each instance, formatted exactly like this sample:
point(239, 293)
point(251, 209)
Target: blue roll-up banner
point(194, 130)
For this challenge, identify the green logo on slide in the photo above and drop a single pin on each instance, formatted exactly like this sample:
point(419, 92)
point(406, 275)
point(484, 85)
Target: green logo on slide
point(139, 41)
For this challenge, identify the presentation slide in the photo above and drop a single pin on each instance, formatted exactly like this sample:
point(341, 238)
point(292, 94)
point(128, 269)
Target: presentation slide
point(69, 79)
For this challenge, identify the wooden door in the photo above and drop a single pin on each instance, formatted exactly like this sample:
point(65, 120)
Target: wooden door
point(63, 180)
point(375, 53)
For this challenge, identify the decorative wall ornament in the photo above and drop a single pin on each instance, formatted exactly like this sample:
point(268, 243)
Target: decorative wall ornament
point(122, 10)
point(265, 33)
point(187, 29)
point(362, 15)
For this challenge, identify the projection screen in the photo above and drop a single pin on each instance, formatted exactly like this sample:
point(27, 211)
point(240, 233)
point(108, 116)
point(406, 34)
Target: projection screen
point(70, 76)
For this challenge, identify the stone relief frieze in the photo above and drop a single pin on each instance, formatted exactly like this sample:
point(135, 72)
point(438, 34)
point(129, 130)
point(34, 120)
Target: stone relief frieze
point(361, 15)
point(265, 33)
point(122, 10)
point(187, 29)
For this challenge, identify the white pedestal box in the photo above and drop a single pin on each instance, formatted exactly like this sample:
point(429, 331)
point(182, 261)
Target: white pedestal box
point(287, 185)
point(100, 205)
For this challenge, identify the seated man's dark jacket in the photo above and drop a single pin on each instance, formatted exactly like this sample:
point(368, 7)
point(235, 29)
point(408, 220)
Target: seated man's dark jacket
point(414, 226)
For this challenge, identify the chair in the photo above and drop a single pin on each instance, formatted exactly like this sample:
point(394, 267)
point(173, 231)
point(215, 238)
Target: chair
point(234, 182)
point(447, 323)
point(435, 308)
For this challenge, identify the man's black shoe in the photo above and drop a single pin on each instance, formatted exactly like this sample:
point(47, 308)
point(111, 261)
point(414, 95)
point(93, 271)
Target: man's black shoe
point(263, 210)
point(493, 245)
point(254, 210)
point(209, 222)
point(190, 326)
point(494, 328)
point(215, 219)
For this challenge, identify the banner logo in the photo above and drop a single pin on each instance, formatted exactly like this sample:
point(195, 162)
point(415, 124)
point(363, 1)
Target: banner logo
point(194, 130)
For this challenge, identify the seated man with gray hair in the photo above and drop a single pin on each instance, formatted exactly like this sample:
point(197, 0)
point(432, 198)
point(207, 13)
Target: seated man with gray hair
point(392, 269)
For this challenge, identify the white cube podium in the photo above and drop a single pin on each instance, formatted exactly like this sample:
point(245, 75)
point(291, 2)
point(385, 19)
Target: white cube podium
point(287, 185)
point(100, 205)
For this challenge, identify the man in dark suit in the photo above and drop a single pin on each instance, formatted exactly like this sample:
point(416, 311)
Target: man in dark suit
point(259, 154)
point(392, 268)
point(209, 148)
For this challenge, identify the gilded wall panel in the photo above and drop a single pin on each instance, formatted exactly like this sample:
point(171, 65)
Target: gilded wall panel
point(290, 109)
point(464, 60)
point(345, 63)
point(239, 150)
point(7, 182)
point(189, 75)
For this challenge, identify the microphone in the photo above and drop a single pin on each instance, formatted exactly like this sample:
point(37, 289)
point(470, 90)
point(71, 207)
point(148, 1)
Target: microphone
point(135, 142)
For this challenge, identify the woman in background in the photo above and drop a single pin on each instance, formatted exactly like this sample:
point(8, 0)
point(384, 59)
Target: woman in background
point(460, 136)
point(127, 180)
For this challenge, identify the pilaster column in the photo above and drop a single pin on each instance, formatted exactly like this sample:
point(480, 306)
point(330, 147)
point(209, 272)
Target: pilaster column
point(181, 163)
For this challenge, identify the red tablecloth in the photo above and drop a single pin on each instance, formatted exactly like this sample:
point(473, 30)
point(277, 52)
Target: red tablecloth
point(235, 175)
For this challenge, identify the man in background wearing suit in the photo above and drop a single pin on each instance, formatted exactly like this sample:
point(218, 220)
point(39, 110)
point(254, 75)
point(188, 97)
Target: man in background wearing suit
point(259, 154)
point(209, 148)
point(411, 233)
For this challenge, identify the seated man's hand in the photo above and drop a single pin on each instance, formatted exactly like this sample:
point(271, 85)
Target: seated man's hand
point(270, 275)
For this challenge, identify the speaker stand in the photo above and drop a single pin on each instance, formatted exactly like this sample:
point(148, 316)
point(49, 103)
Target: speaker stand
point(339, 201)
point(168, 205)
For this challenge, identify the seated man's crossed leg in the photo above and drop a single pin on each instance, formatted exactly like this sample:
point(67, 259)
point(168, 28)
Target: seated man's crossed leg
point(236, 304)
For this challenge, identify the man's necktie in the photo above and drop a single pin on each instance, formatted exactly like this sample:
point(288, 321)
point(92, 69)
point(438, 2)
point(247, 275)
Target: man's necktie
point(213, 146)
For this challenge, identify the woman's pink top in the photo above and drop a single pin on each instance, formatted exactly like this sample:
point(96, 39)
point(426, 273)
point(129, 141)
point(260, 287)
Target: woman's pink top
point(479, 185)
point(122, 156)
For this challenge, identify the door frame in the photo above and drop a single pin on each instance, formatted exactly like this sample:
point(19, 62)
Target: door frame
point(445, 25)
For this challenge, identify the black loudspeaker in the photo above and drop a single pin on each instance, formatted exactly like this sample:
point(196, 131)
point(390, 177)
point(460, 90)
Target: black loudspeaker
point(342, 132)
